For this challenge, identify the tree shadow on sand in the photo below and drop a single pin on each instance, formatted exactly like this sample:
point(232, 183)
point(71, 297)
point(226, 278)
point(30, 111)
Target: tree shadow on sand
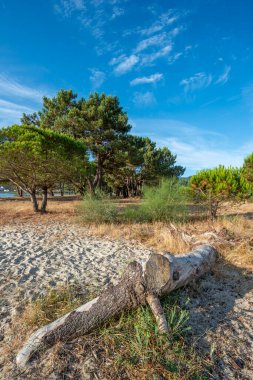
point(221, 320)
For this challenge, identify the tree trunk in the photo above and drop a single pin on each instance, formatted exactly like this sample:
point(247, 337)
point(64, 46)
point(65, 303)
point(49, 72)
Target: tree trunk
point(62, 189)
point(214, 205)
point(19, 191)
point(44, 201)
point(143, 282)
point(34, 201)
point(98, 180)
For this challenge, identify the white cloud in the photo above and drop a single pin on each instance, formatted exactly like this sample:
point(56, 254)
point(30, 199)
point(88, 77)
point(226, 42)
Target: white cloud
point(196, 82)
point(144, 99)
point(149, 58)
point(174, 32)
point(158, 39)
point(175, 57)
point(117, 12)
point(10, 87)
point(126, 64)
point(195, 148)
point(97, 78)
point(151, 79)
point(117, 60)
point(11, 112)
point(67, 7)
point(223, 78)
point(164, 20)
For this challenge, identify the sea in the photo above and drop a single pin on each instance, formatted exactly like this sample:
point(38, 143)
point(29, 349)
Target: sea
point(7, 195)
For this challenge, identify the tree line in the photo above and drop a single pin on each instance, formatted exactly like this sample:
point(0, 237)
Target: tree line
point(85, 143)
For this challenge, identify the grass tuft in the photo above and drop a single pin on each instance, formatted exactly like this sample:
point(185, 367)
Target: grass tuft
point(137, 346)
point(57, 302)
point(98, 209)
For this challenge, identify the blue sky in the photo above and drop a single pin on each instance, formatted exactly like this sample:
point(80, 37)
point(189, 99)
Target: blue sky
point(182, 69)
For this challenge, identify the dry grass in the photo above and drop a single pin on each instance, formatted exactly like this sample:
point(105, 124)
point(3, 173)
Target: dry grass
point(155, 235)
point(127, 348)
point(119, 350)
point(235, 231)
point(16, 211)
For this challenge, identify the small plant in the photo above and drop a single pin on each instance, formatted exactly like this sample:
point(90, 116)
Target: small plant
point(131, 345)
point(164, 203)
point(55, 303)
point(137, 345)
point(218, 185)
point(98, 208)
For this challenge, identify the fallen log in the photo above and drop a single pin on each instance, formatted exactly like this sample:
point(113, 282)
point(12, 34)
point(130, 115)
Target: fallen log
point(143, 282)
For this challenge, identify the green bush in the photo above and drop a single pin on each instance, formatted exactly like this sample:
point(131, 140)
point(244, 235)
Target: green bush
point(218, 185)
point(98, 209)
point(163, 203)
point(247, 169)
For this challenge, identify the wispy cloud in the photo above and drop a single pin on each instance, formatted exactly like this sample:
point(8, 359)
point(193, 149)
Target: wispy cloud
point(94, 15)
point(67, 7)
point(10, 87)
point(143, 80)
point(158, 39)
point(97, 78)
point(11, 112)
point(144, 99)
point(195, 156)
point(164, 20)
point(196, 148)
point(117, 12)
point(126, 64)
point(196, 82)
point(175, 57)
point(149, 58)
point(203, 80)
point(224, 77)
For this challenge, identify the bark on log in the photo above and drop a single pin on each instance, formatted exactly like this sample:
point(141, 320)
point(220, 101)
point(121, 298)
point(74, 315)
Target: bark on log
point(143, 282)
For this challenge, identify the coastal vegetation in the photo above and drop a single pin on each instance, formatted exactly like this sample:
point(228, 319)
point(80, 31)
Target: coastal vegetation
point(86, 145)
point(126, 188)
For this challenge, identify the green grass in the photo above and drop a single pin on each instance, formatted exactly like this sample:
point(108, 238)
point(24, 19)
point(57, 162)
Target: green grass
point(136, 345)
point(131, 343)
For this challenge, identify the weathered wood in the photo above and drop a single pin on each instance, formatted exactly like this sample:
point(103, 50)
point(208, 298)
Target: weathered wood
point(156, 307)
point(143, 282)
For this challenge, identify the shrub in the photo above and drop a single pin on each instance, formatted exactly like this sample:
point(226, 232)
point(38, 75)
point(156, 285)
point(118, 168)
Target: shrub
point(248, 168)
point(218, 185)
point(98, 209)
point(163, 203)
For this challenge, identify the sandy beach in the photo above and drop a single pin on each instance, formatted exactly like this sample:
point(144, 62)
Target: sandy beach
point(35, 257)
point(48, 253)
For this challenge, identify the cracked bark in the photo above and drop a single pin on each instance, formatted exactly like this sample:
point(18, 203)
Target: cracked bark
point(143, 282)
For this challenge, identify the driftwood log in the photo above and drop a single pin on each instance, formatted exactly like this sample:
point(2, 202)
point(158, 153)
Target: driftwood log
point(143, 282)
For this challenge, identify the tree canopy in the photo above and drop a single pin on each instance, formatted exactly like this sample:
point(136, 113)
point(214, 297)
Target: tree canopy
point(36, 159)
point(218, 185)
point(117, 160)
point(248, 168)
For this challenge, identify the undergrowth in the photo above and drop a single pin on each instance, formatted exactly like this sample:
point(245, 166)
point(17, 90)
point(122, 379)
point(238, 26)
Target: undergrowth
point(131, 346)
point(166, 202)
